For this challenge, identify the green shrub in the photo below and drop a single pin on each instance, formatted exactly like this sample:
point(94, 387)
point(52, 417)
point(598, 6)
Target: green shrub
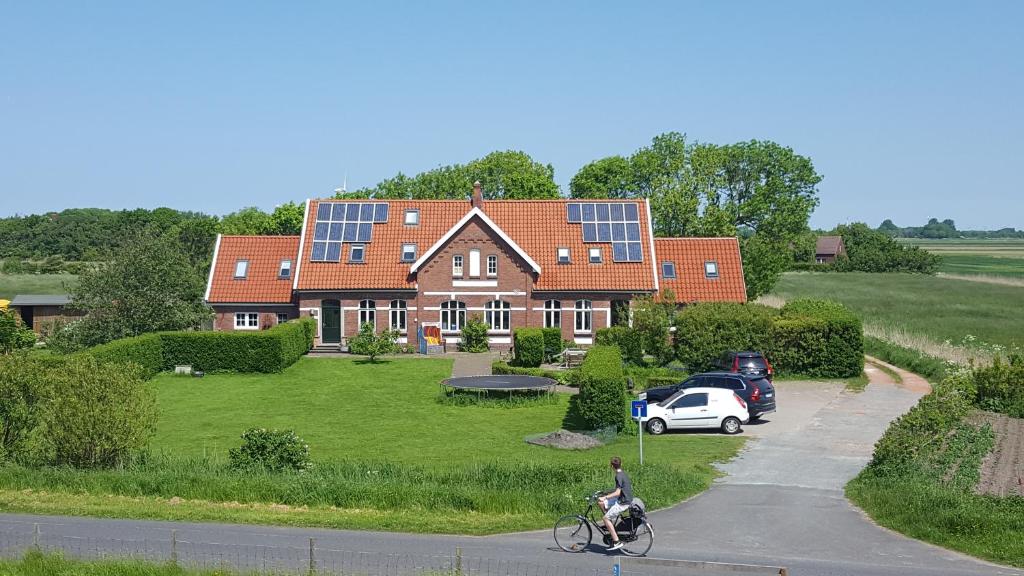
point(474, 335)
point(369, 343)
point(98, 414)
point(601, 402)
point(817, 338)
point(14, 335)
point(1000, 387)
point(931, 368)
point(25, 389)
point(528, 346)
point(705, 331)
point(553, 343)
point(275, 450)
point(146, 351)
point(629, 341)
point(561, 376)
point(655, 381)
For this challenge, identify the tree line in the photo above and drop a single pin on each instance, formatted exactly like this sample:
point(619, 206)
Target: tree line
point(945, 229)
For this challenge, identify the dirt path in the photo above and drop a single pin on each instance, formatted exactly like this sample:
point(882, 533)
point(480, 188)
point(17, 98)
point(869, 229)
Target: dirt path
point(909, 380)
point(1002, 471)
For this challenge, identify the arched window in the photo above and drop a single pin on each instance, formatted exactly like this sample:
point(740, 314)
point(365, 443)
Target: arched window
point(584, 314)
point(398, 312)
point(497, 315)
point(453, 315)
point(368, 313)
point(553, 314)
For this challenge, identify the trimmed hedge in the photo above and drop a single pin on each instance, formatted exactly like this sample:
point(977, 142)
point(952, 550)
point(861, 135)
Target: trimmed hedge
point(629, 341)
point(528, 345)
point(705, 331)
point(561, 376)
point(270, 350)
point(602, 400)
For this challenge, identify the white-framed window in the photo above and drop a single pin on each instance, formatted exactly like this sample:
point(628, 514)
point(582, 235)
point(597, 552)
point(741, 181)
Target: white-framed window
point(594, 255)
point(357, 254)
point(398, 315)
point(584, 312)
point(821, 260)
point(553, 314)
point(711, 269)
point(408, 252)
point(284, 271)
point(457, 265)
point(241, 269)
point(668, 269)
point(497, 314)
point(368, 313)
point(453, 316)
point(474, 263)
point(492, 265)
point(282, 317)
point(247, 320)
point(412, 217)
point(563, 256)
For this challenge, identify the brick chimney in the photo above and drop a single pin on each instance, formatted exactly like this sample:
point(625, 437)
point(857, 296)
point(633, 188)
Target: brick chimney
point(478, 197)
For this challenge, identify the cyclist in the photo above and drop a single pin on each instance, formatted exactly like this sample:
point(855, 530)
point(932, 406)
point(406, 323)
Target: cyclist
point(616, 502)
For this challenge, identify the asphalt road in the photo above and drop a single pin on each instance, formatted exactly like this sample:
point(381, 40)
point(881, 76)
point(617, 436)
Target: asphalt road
point(781, 503)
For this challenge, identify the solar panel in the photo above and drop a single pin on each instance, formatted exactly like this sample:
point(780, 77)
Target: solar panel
point(320, 232)
point(319, 250)
point(604, 232)
point(589, 213)
point(323, 212)
point(380, 213)
point(615, 222)
point(353, 213)
point(602, 213)
point(589, 232)
point(633, 232)
point(631, 213)
point(618, 213)
point(619, 251)
point(618, 232)
point(636, 254)
point(335, 232)
point(333, 251)
point(365, 232)
point(339, 222)
point(574, 215)
point(351, 231)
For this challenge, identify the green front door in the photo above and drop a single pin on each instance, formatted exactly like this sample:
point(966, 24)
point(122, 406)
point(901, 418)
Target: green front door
point(330, 322)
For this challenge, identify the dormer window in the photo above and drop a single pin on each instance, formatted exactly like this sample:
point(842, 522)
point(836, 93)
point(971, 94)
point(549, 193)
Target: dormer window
point(563, 255)
point(285, 270)
point(594, 255)
point(710, 269)
point(412, 218)
point(241, 269)
point(358, 254)
point(408, 252)
point(668, 269)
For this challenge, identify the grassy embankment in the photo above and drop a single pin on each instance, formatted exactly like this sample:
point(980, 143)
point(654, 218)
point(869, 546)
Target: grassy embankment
point(13, 284)
point(388, 456)
point(38, 564)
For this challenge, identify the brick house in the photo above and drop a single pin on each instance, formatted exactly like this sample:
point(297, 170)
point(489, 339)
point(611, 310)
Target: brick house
point(828, 249)
point(403, 264)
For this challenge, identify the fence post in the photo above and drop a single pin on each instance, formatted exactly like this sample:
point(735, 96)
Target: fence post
point(35, 536)
point(312, 556)
point(174, 546)
point(458, 561)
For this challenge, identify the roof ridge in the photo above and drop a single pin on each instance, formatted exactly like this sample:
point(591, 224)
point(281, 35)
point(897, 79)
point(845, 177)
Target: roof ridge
point(282, 236)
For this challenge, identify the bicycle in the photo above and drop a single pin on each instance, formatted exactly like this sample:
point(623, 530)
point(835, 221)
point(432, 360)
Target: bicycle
point(573, 532)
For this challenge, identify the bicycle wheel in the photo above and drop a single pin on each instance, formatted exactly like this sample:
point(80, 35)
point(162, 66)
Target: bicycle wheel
point(572, 533)
point(639, 543)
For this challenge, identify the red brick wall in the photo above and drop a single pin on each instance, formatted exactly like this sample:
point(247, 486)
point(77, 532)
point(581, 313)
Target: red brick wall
point(224, 316)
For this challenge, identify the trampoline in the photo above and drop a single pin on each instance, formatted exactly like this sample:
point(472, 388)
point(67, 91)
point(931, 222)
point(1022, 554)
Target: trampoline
point(499, 383)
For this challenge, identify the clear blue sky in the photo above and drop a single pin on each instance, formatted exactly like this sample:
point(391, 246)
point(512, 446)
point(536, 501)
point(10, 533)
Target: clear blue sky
point(909, 109)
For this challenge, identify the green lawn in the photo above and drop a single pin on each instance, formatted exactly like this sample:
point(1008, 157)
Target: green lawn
point(937, 308)
point(13, 284)
point(36, 563)
point(982, 264)
point(388, 456)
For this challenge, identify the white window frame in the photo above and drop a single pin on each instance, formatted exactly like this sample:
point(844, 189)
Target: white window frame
point(448, 309)
point(474, 263)
point(457, 265)
point(415, 220)
point(711, 269)
point(498, 315)
point(583, 316)
point(552, 313)
point(594, 255)
point(492, 265)
point(559, 252)
point(408, 248)
point(242, 265)
point(250, 320)
point(398, 316)
point(352, 251)
point(674, 274)
point(281, 315)
point(368, 313)
point(284, 269)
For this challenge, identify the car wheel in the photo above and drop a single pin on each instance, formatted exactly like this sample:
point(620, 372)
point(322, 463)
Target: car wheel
point(731, 425)
point(656, 426)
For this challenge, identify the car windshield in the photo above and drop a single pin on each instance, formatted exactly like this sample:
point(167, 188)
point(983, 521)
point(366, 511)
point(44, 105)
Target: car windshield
point(755, 363)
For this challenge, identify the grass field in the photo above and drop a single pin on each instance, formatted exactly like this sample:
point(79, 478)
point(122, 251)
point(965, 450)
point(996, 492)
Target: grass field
point(388, 456)
point(38, 564)
point(977, 257)
point(938, 309)
point(13, 284)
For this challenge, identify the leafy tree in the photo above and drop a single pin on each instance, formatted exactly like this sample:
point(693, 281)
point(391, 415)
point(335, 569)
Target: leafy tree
point(287, 218)
point(651, 320)
point(149, 286)
point(25, 389)
point(869, 250)
point(250, 221)
point(474, 335)
point(368, 343)
point(14, 335)
point(889, 228)
point(610, 177)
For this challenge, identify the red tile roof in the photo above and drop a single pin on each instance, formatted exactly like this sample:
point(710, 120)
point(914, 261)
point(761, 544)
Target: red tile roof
point(691, 283)
point(261, 284)
point(829, 245)
point(537, 226)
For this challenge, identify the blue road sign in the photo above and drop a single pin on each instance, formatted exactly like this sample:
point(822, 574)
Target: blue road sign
point(639, 408)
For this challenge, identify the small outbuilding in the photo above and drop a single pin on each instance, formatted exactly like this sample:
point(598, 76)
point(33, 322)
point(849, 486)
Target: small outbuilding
point(39, 310)
point(829, 249)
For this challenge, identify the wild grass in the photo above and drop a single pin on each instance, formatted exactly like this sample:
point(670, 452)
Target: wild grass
point(979, 264)
point(931, 309)
point(35, 563)
point(14, 284)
